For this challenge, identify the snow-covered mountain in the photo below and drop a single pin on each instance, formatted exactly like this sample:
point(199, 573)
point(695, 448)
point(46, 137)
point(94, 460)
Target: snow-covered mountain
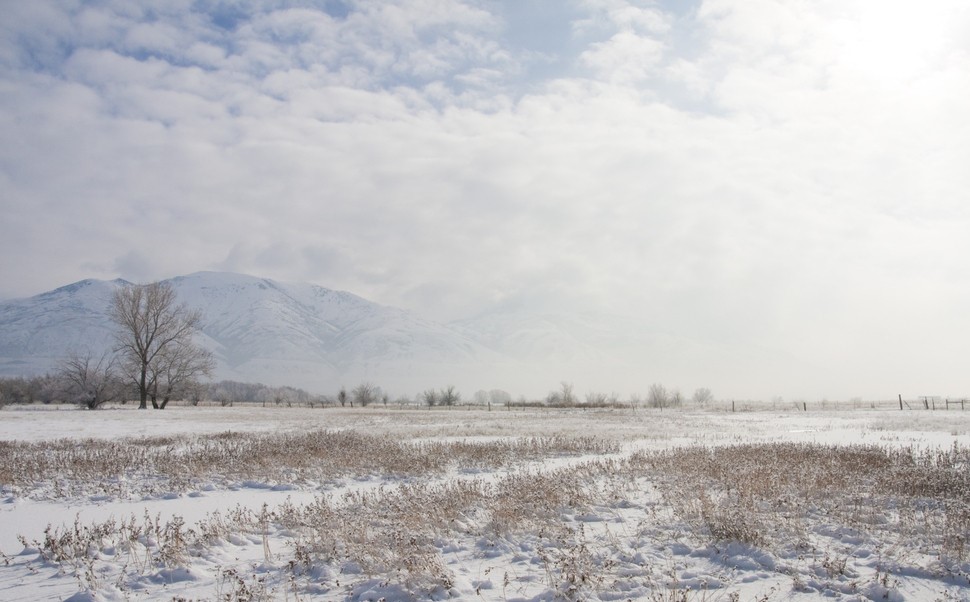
point(36, 333)
point(320, 339)
point(258, 329)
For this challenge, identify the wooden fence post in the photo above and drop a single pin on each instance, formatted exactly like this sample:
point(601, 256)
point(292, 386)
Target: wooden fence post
point(900, 401)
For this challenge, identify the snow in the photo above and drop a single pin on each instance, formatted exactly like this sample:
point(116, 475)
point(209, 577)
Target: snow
point(314, 338)
point(625, 538)
point(258, 329)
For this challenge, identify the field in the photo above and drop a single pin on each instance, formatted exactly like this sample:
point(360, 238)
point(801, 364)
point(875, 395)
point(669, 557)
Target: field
point(848, 502)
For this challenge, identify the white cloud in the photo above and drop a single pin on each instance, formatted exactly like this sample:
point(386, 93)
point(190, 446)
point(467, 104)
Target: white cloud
point(626, 58)
point(156, 38)
point(726, 173)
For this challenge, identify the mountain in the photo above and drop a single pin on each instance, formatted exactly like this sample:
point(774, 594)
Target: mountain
point(262, 330)
point(310, 336)
point(38, 332)
point(259, 330)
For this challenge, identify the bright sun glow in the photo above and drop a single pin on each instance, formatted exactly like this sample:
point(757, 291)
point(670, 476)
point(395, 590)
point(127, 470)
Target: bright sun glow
point(894, 41)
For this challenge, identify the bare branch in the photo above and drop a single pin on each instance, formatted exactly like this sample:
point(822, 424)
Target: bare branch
point(154, 338)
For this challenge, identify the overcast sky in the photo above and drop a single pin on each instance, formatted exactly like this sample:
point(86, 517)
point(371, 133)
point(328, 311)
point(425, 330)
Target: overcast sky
point(788, 175)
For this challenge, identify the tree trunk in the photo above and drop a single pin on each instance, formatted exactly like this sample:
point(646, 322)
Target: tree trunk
point(143, 390)
point(154, 393)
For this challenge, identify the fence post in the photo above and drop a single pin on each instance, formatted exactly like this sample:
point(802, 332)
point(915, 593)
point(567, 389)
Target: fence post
point(900, 401)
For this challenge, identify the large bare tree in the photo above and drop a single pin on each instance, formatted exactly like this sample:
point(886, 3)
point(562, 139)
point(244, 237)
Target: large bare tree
point(154, 337)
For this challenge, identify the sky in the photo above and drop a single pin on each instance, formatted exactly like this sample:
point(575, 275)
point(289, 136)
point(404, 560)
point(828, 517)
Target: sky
point(789, 176)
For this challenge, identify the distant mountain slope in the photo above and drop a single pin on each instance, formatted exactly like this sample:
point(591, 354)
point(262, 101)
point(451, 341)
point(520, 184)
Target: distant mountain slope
point(303, 335)
point(38, 332)
point(260, 322)
point(259, 329)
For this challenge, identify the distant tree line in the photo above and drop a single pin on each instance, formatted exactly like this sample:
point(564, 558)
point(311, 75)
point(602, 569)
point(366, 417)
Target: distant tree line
point(658, 396)
point(91, 382)
point(228, 392)
point(34, 389)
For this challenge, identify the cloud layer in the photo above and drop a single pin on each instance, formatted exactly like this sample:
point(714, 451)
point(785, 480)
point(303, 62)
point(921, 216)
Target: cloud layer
point(774, 175)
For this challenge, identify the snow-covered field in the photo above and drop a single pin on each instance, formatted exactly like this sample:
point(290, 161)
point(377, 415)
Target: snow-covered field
point(252, 503)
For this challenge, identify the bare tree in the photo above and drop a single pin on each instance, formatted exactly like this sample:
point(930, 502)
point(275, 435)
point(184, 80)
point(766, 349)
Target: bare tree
point(568, 397)
point(281, 396)
point(88, 381)
point(430, 397)
point(450, 396)
point(499, 397)
point(177, 370)
point(13, 390)
point(564, 396)
point(342, 396)
point(45, 388)
point(150, 327)
point(657, 396)
point(365, 394)
point(702, 396)
point(675, 399)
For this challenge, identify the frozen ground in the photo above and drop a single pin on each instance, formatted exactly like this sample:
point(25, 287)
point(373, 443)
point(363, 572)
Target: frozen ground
point(850, 503)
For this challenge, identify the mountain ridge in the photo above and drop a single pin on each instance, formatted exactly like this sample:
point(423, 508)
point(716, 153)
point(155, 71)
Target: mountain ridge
point(319, 339)
point(257, 328)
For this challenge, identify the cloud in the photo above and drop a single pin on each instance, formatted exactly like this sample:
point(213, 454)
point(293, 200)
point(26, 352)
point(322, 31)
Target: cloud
point(136, 266)
point(625, 58)
point(725, 171)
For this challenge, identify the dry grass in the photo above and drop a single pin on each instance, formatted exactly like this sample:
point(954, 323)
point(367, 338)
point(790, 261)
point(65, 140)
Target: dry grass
point(395, 534)
point(772, 495)
point(166, 464)
point(792, 501)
